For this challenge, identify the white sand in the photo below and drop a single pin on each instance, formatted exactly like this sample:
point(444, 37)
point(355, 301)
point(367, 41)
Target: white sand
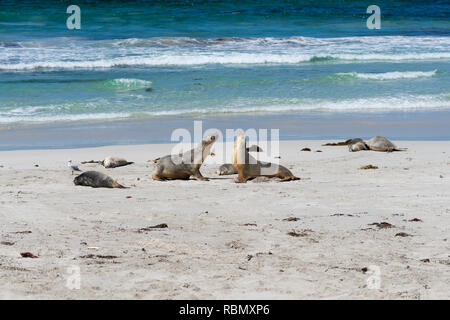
point(208, 251)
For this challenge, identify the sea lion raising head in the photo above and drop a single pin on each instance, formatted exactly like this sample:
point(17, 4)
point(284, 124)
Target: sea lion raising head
point(183, 166)
point(96, 179)
point(248, 167)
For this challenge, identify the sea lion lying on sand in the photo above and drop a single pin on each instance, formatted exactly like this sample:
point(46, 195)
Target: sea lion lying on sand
point(96, 179)
point(185, 165)
point(111, 162)
point(249, 168)
point(377, 143)
point(228, 169)
point(344, 143)
point(380, 143)
point(358, 146)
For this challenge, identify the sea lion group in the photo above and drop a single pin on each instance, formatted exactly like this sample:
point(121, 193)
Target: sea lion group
point(377, 143)
point(188, 164)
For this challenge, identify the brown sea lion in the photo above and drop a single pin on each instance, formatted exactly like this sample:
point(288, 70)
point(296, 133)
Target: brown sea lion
point(96, 179)
point(249, 168)
point(185, 165)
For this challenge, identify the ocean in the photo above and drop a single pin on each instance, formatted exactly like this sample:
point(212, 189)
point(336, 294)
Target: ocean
point(312, 69)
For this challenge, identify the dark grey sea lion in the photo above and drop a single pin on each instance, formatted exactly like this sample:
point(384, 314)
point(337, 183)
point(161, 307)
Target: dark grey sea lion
point(344, 143)
point(96, 179)
point(185, 165)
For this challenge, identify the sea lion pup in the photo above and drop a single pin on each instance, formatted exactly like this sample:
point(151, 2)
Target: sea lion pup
point(358, 146)
point(249, 168)
point(228, 169)
point(380, 143)
point(185, 165)
point(96, 179)
point(111, 162)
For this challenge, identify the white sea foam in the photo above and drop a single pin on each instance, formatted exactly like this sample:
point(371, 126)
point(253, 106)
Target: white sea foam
point(391, 75)
point(127, 84)
point(81, 53)
point(380, 104)
point(217, 58)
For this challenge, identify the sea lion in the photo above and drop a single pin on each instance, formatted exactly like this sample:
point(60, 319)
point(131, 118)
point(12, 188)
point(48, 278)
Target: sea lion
point(358, 146)
point(111, 162)
point(249, 168)
point(379, 143)
point(185, 165)
point(114, 162)
point(96, 179)
point(344, 143)
point(228, 169)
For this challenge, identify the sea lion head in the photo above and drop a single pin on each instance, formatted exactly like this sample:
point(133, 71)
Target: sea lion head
point(209, 140)
point(207, 143)
point(78, 180)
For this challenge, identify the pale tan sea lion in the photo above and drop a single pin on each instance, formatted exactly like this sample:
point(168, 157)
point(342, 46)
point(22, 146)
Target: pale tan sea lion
point(249, 168)
point(379, 143)
point(185, 165)
point(111, 162)
point(358, 146)
point(226, 169)
point(114, 162)
point(96, 179)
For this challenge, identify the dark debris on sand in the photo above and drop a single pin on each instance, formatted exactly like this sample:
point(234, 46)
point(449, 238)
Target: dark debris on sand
point(369, 166)
point(151, 228)
point(382, 225)
point(28, 255)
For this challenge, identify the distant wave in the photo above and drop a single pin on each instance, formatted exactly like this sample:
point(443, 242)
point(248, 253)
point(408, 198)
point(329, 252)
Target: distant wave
point(217, 58)
point(63, 53)
point(380, 104)
point(388, 75)
point(265, 41)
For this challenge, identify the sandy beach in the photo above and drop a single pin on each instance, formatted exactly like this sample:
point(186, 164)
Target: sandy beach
point(225, 240)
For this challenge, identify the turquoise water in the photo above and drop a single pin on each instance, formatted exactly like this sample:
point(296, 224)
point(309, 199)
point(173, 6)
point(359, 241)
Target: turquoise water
point(138, 60)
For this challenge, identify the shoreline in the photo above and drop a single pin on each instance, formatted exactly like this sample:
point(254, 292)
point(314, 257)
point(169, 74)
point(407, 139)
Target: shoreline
point(226, 240)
